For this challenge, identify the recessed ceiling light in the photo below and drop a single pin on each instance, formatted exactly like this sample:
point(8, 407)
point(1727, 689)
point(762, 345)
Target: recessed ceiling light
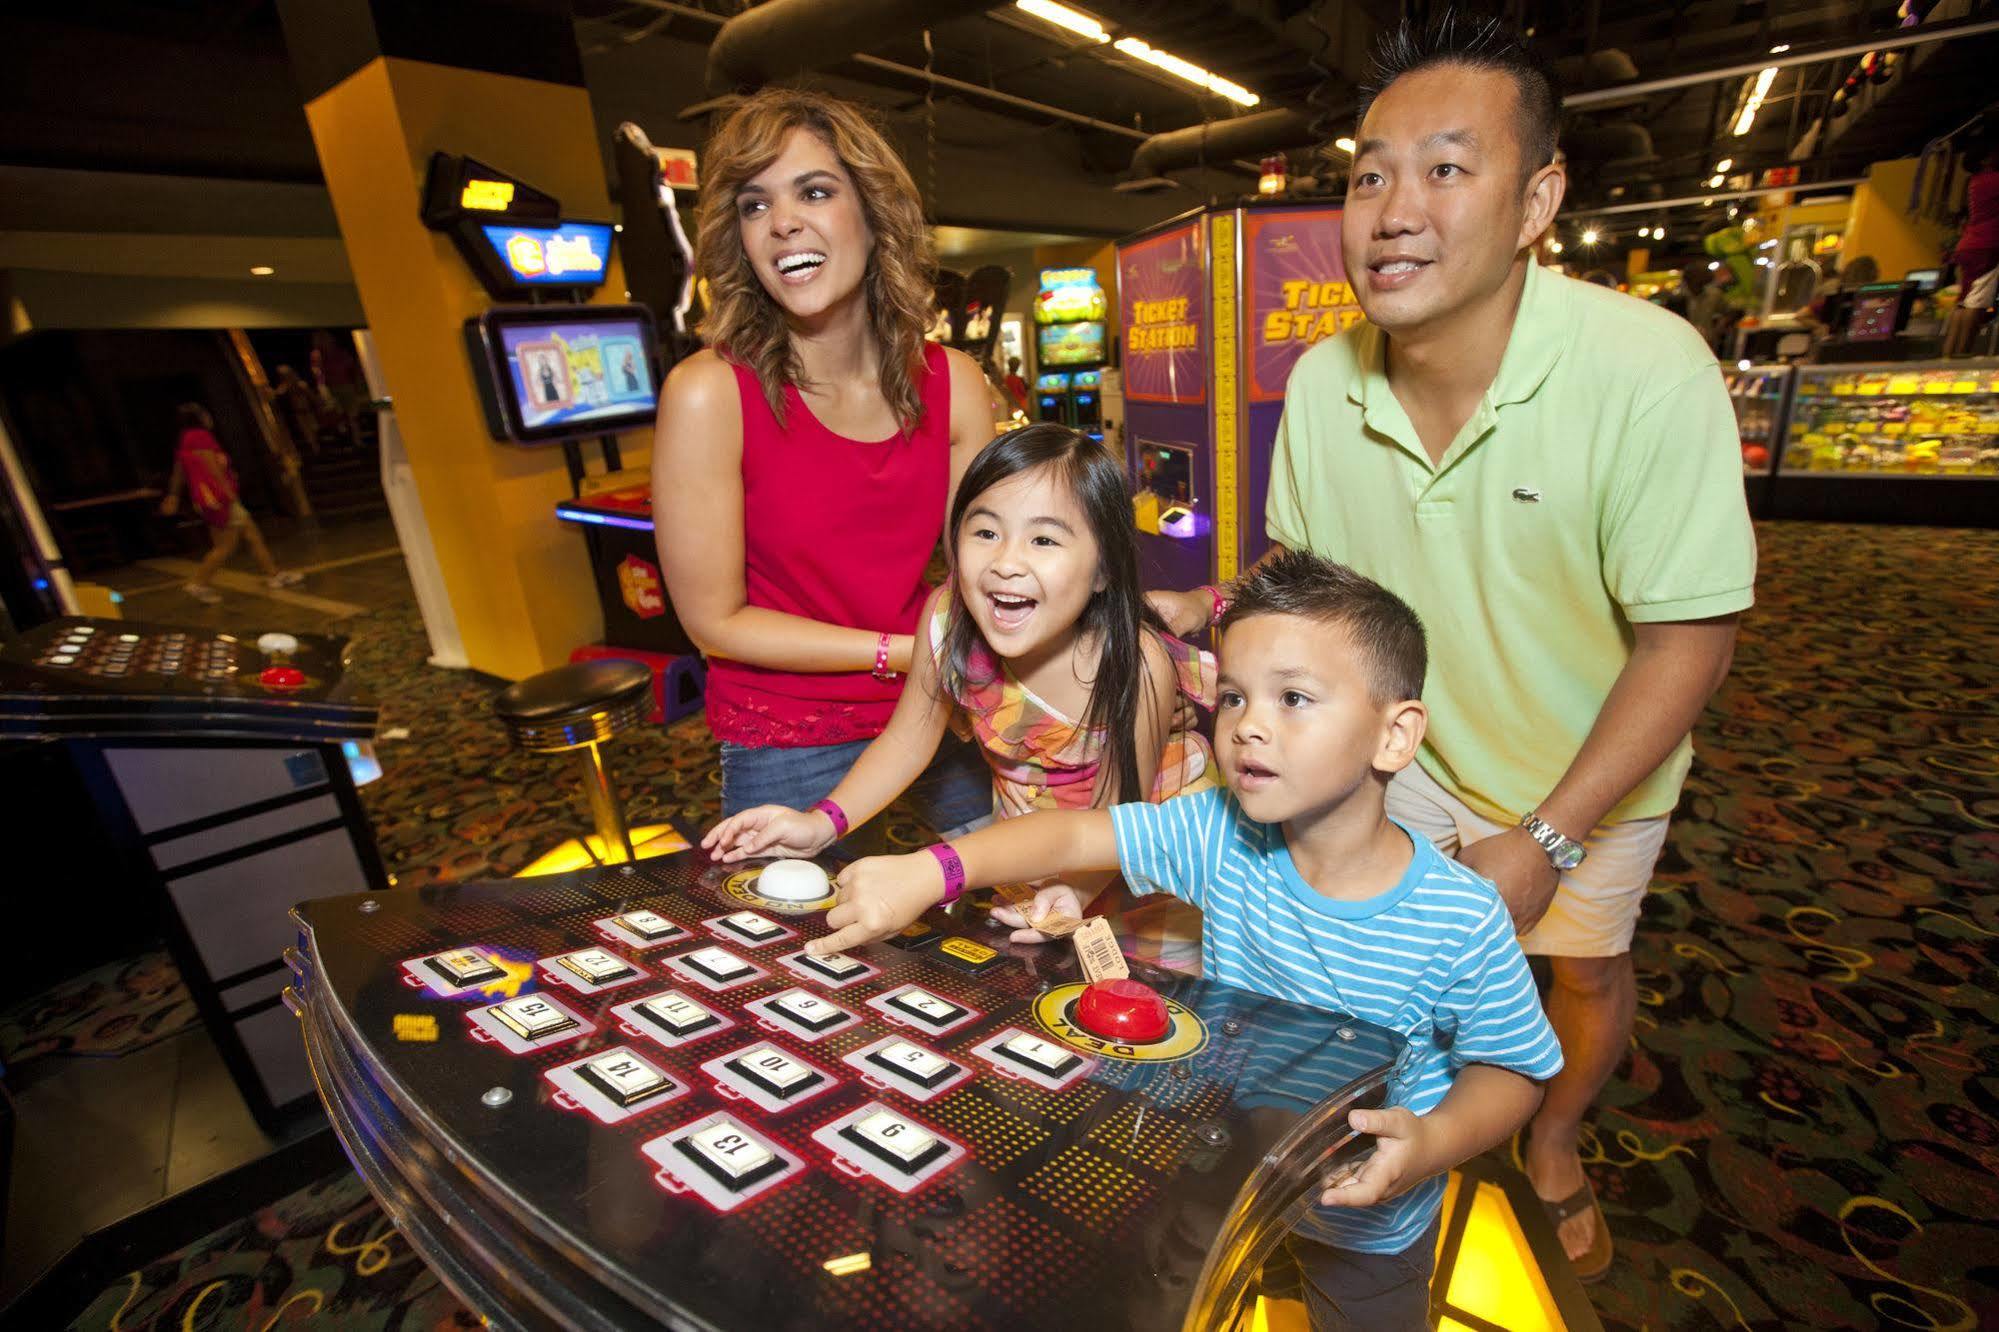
point(262, 270)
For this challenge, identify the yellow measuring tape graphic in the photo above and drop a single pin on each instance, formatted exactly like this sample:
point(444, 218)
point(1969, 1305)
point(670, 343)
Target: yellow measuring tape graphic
point(1221, 270)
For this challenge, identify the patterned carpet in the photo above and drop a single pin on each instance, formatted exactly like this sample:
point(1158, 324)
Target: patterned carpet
point(110, 1011)
point(1807, 1133)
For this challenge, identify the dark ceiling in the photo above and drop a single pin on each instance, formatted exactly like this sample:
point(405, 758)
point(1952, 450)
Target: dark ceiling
point(204, 88)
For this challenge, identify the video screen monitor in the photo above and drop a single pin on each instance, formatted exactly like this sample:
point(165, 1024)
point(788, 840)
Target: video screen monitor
point(1069, 294)
point(518, 257)
point(1878, 312)
point(1070, 344)
point(563, 372)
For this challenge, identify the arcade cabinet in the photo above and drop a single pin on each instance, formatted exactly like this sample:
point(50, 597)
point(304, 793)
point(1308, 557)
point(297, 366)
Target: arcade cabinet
point(1051, 397)
point(1086, 402)
point(1069, 344)
point(220, 774)
point(1217, 305)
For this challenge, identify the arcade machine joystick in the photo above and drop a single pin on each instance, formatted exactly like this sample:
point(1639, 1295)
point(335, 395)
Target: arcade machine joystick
point(279, 673)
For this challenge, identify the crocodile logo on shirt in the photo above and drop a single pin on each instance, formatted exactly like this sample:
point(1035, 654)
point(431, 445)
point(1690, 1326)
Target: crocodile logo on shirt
point(1527, 494)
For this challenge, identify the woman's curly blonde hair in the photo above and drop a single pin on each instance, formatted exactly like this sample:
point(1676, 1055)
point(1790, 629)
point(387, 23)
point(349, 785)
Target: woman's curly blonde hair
point(743, 322)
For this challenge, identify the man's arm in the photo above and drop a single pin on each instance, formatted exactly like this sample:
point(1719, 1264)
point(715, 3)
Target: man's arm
point(1673, 670)
point(881, 894)
point(1187, 613)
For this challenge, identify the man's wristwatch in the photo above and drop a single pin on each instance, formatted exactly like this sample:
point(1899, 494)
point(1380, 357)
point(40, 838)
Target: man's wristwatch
point(1563, 854)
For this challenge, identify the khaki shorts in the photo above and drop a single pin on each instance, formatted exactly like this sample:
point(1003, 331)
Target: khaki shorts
point(1595, 911)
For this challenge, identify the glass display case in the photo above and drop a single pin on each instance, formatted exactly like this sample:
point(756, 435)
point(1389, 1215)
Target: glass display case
point(1857, 434)
point(1760, 394)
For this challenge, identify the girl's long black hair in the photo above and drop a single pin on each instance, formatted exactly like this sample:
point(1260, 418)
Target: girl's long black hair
point(1117, 617)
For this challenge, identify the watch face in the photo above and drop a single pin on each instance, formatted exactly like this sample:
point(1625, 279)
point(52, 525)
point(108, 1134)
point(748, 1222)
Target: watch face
point(1567, 856)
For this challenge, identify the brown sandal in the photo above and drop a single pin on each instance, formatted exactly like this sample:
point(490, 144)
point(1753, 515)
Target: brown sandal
point(1592, 1265)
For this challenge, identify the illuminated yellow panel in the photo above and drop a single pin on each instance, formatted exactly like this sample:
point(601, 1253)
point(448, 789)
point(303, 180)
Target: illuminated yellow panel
point(1496, 1276)
point(487, 196)
point(656, 839)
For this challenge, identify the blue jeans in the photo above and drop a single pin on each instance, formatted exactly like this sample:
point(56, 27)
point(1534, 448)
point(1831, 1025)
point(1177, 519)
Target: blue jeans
point(953, 793)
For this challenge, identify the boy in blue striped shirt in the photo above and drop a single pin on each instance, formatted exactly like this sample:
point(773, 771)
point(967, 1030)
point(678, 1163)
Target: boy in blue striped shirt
point(1309, 892)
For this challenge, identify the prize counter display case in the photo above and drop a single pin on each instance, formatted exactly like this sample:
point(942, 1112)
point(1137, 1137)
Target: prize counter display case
point(1906, 443)
point(628, 1098)
point(1761, 393)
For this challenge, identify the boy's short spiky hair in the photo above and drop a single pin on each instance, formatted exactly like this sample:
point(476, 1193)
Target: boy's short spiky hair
point(1475, 42)
point(1387, 633)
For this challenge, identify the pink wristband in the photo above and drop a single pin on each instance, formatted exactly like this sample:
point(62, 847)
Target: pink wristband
point(882, 672)
point(1221, 604)
point(954, 871)
point(835, 813)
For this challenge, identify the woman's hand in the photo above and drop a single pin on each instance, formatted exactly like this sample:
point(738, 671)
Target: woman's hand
point(770, 830)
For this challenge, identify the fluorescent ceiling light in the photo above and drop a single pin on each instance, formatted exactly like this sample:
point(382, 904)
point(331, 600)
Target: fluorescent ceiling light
point(262, 270)
point(1188, 70)
point(1754, 102)
point(1345, 145)
point(1064, 17)
point(1780, 48)
point(1091, 29)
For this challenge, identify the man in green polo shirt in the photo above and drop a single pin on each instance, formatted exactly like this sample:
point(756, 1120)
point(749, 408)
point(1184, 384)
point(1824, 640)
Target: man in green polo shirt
point(1548, 472)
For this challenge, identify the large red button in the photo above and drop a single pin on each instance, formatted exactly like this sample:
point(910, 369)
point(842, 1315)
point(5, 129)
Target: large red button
point(281, 677)
point(1122, 1010)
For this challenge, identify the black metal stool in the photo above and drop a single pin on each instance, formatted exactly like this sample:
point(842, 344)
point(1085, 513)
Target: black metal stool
point(578, 707)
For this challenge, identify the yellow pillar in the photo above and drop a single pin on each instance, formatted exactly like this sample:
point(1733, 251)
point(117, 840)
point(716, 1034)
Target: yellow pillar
point(1880, 223)
point(518, 580)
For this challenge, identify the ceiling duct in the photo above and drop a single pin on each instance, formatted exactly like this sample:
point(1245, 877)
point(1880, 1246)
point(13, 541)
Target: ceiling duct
point(781, 38)
point(1220, 141)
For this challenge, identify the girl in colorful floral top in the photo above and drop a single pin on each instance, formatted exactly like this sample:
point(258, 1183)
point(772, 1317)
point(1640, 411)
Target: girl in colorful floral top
point(1041, 648)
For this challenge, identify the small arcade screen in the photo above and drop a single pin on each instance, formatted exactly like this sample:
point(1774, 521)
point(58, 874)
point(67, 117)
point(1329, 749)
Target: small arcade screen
point(528, 256)
point(553, 373)
point(1068, 295)
point(1070, 344)
point(1879, 312)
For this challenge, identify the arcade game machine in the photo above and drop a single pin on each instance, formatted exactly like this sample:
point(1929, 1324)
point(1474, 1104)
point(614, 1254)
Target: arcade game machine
point(1086, 402)
point(1069, 317)
point(218, 772)
point(1216, 306)
point(628, 1098)
point(1051, 397)
point(561, 373)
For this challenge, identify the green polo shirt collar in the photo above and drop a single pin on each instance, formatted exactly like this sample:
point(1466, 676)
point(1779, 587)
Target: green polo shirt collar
point(1532, 349)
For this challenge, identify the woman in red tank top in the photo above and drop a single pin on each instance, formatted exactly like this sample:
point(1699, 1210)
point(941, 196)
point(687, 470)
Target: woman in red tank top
point(804, 462)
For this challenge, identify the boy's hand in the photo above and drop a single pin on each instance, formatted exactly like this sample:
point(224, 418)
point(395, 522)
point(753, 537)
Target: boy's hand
point(769, 830)
point(878, 896)
point(169, 506)
point(1050, 899)
point(1400, 1160)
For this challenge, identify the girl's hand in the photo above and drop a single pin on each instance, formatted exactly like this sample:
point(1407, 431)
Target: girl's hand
point(878, 896)
point(769, 830)
point(1050, 899)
